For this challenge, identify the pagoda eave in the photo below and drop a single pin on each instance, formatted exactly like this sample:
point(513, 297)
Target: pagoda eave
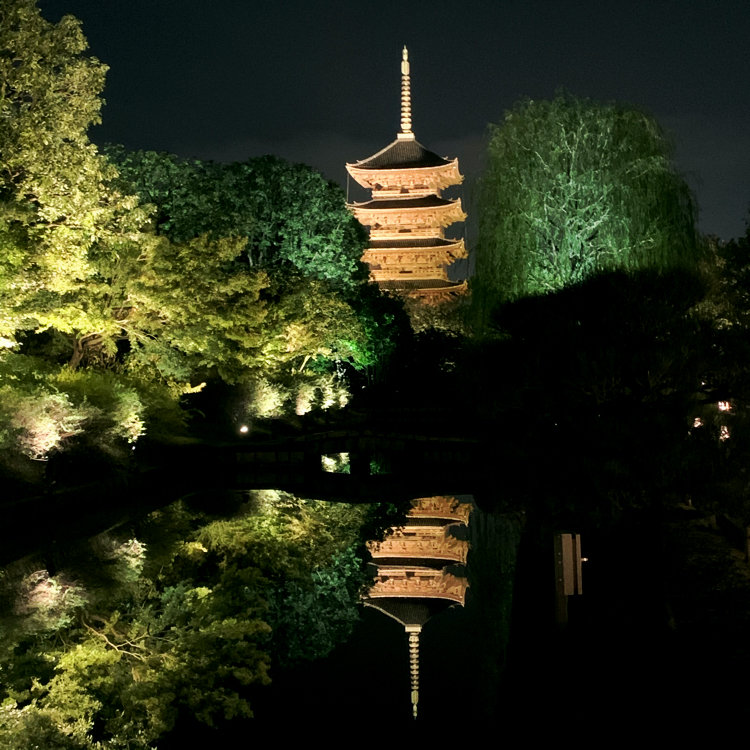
point(441, 254)
point(407, 216)
point(433, 295)
point(394, 178)
point(390, 275)
point(441, 507)
point(454, 550)
point(418, 583)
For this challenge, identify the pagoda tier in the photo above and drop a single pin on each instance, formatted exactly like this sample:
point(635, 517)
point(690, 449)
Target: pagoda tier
point(405, 165)
point(407, 214)
point(418, 258)
point(441, 506)
point(416, 583)
point(427, 542)
point(431, 292)
point(392, 218)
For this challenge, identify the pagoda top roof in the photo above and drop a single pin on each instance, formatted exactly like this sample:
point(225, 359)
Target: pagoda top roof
point(423, 201)
point(403, 153)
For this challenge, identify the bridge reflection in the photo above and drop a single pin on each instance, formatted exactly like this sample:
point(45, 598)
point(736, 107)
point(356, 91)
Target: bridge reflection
point(382, 467)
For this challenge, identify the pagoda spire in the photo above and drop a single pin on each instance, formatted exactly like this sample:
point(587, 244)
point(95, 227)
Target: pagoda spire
point(406, 132)
point(414, 631)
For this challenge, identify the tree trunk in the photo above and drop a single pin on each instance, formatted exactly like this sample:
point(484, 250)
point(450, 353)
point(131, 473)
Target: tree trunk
point(77, 356)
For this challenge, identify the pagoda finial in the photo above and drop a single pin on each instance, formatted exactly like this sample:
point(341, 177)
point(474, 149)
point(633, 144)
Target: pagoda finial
point(405, 133)
point(413, 631)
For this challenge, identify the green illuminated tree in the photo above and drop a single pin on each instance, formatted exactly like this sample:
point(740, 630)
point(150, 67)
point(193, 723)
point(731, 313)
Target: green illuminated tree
point(292, 217)
point(574, 187)
point(294, 230)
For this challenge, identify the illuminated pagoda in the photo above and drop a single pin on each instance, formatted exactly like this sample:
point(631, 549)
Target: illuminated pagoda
point(412, 582)
point(407, 215)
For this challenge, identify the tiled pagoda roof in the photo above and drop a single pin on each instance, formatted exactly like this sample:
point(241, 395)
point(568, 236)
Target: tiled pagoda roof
point(402, 154)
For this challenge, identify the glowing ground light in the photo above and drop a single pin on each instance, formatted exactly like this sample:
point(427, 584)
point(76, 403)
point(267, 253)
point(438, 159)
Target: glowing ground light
point(724, 406)
point(244, 429)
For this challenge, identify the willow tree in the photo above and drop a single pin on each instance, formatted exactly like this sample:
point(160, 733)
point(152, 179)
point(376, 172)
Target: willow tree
point(574, 187)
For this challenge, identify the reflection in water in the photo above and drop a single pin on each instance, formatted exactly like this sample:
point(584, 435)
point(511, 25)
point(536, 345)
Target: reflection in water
point(413, 580)
point(462, 649)
point(177, 575)
point(473, 553)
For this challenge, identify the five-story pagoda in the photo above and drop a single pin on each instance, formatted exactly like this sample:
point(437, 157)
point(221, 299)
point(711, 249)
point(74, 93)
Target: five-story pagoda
point(407, 215)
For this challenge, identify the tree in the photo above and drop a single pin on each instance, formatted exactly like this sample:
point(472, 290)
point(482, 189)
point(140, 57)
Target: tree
point(60, 217)
point(574, 187)
point(197, 305)
point(293, 228)
point(292, 218)
point(180, 626)
point(722, 426)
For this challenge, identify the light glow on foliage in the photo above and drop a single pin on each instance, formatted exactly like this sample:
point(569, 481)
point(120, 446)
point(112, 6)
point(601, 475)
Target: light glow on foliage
point(573, 188)
point(48, 601)
point(335, 463)
point(39, 421)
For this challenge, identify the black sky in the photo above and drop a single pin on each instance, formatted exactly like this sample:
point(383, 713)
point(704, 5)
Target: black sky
point(318, 82)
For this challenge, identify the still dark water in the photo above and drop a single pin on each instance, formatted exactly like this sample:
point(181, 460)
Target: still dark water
point(462, 650)
point(502, 661)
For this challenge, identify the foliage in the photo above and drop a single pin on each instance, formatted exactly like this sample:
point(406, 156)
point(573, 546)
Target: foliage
point(385, 325)
point(572, 188)
point(291, 218)
point(61, 222)
point(598, 383)
point(300, 392)
point(252, 271)
point(36, 422)
point(197, 307)
point(49, 411)
point(140, 633)
point(292, 237)
point(312, 616)
point(448, 316)
point(722, 422)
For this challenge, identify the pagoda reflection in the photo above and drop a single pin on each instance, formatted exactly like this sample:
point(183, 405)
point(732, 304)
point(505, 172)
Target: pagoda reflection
point(420, 570)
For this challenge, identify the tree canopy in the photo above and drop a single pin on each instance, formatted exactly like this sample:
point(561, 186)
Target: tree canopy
point(574, 187)
point(159, 276)
point(292, 218)
point(59, 213)
point(180, 625)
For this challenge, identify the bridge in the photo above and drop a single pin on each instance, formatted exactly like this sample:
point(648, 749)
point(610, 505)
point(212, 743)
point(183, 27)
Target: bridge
point(382, 466)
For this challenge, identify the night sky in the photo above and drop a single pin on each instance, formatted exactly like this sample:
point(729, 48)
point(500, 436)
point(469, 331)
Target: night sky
point(319, 82)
